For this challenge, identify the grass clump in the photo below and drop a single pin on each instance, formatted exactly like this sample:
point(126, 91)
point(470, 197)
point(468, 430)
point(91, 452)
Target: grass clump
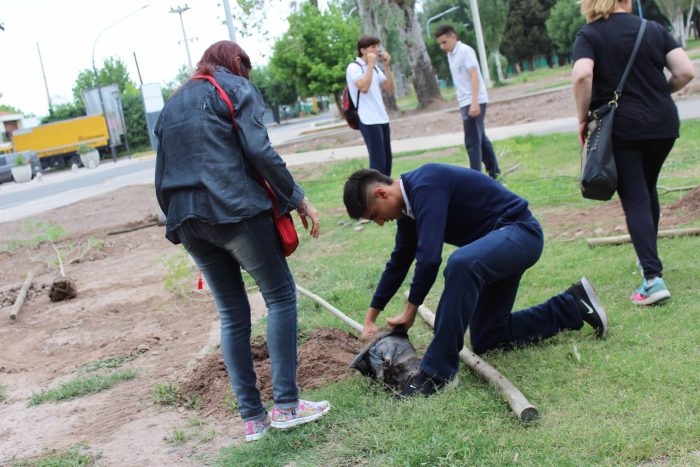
point(107, 363)
point(81, 386)
point(170, 394)
point(75, 456)
point(3, 394)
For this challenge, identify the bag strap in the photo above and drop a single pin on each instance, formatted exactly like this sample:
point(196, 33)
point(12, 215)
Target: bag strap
point(637, 43)
point(222, 94)
point(357, 106)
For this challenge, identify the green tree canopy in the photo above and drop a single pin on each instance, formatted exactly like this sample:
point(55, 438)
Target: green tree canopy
point(315, 51)
point(565, 19)
point(526, 35)
point(10, 109)
point(113, 71)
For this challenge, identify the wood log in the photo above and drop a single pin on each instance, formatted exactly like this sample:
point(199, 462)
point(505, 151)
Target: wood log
point(21, 295)
point(620, 239)
point(522, 408)
point(345, 318)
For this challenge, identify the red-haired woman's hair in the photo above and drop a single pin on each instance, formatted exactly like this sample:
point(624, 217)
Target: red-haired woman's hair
point(226, 54)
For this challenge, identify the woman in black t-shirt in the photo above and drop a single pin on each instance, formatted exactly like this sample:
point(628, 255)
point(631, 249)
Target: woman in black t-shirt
point(646, 120)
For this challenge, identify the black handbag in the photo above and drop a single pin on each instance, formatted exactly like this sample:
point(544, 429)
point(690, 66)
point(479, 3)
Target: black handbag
point(598, 171)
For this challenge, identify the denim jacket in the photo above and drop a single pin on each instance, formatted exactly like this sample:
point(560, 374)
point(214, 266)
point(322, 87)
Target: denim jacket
point(205, 169)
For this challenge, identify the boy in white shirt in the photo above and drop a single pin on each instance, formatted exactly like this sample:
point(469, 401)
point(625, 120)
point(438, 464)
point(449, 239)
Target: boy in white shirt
point(472, 98)
point(365, 83)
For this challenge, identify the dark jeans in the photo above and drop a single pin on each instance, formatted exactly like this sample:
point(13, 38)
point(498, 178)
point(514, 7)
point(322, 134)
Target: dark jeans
point(638, 165)
point(481, 281)
point(221, 251)
point(378, 141)
point(478, 145)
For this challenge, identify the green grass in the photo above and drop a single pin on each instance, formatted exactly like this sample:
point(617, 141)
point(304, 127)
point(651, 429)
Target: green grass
point(166, 394)
point(630, 399)
point(75, 456)
point(107, 363)
point(3, 394)
point(81, 386)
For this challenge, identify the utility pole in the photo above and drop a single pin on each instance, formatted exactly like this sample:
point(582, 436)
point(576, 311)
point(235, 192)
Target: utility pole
point(46, 84)
point(483, 58)
point(180, 10)
point(229, 21)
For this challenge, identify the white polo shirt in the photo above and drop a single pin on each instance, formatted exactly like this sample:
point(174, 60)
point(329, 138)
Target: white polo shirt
point(371, 109)
point(462, 59)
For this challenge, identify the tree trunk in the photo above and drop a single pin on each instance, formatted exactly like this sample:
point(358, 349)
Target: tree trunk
point(499, 68)
point(424, 81)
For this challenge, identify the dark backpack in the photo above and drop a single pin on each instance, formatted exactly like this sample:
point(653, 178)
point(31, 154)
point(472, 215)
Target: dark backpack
point(349, 109)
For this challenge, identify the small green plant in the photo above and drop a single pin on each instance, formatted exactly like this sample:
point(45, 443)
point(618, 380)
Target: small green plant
point(81, 386)
point(177, 437)
point(3, 396)
point(166, 394)
point(196, 422)
point(36, 233)
point(19, 160)
point(85, 148)
point(178, 276)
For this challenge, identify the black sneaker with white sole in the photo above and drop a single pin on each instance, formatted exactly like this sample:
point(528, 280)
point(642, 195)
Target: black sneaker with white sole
point(590, 306)
point(420, 384)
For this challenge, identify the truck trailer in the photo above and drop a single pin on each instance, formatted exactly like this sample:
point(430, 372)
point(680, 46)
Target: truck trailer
point(56, 144)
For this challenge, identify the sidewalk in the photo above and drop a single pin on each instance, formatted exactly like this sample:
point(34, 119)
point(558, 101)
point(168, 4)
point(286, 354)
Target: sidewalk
point(688, 109)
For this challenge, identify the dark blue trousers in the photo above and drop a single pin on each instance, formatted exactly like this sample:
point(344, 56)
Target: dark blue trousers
point(378, 141)
point(479, 147)
point(481, 281)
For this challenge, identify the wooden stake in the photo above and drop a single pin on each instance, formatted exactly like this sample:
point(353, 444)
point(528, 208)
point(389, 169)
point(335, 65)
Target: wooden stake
point(21, 295)
point(345, 318)
point(522, 408)
point(619, 239)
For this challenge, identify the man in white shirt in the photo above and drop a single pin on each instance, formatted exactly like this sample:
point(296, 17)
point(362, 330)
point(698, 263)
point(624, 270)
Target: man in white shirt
point(365, 83)
point(472, 98)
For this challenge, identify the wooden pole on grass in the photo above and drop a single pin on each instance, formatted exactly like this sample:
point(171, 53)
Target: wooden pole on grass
point(522, 408)
point(21, 295)
point(619, 239)
point(345, 318)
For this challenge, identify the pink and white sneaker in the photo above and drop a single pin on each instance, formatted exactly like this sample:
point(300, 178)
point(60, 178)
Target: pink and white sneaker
point(304, 412)
point(256, 429)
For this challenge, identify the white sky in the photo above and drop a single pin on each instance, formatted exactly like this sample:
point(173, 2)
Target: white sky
point(67, 30)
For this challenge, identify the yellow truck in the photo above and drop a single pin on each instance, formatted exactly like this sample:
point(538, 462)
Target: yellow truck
point(56, 144)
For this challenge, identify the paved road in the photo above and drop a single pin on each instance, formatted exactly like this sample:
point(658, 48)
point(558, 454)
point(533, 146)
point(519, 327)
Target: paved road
point(60, 189)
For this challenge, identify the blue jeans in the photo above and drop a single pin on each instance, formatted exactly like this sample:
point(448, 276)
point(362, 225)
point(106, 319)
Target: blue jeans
point(378, 141)
point(481, 281)
point(478, 145)
point(221, 251)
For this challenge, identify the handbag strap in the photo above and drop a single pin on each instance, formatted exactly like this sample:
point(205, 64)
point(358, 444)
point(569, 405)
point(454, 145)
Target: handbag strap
point(222, 94)
point(637, 43)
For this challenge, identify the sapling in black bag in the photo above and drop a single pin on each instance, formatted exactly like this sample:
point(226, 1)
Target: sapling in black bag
point(598, 171)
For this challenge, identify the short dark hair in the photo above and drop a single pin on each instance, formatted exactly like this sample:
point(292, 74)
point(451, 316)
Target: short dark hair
point(366, 41)
point(444, 29)
point(355, 191)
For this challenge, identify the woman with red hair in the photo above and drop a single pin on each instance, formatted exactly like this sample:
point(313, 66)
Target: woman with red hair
point(206, 183)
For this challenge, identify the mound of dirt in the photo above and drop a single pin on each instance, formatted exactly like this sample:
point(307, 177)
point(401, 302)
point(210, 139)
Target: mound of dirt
point(689, 204)
point(324, 358)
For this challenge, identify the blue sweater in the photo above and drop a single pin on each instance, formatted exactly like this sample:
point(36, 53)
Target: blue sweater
point(450, 204)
